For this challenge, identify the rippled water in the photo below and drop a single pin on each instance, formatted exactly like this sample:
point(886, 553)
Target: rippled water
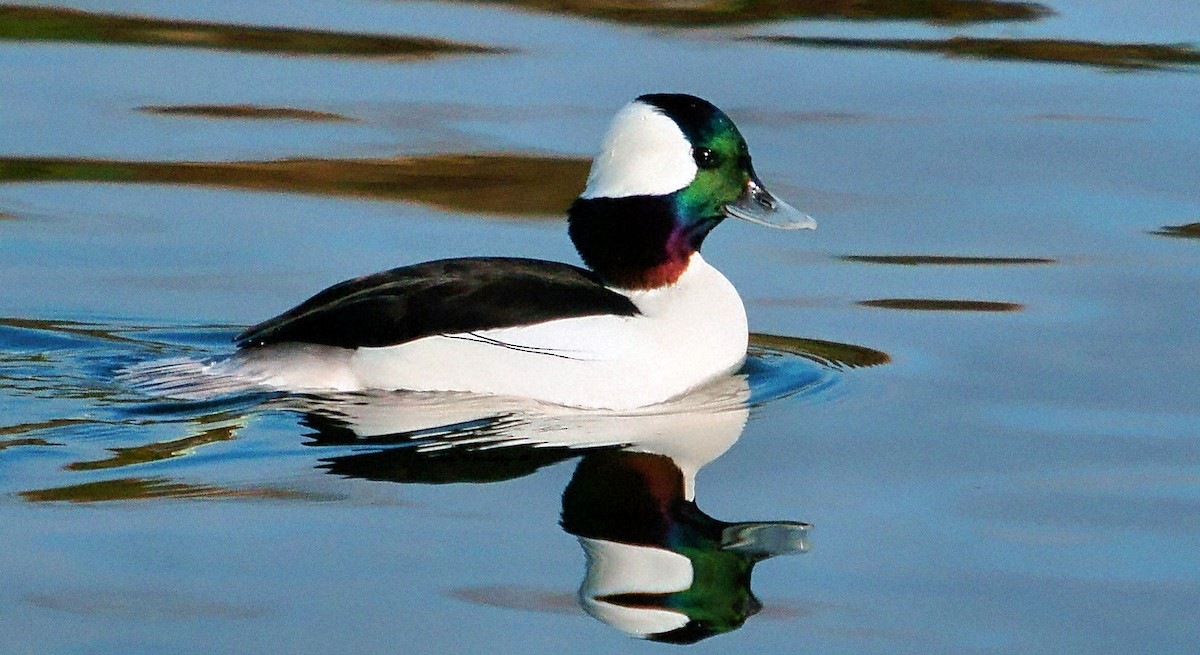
point(91, 437)
point(69, 379)
point(1006, 461)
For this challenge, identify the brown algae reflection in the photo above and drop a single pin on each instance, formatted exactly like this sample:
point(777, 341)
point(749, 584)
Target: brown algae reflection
point(1115, 56)
point(147, 489)
point(945, 260)
point(826, 353)
point(156, 451)
point(60, 25)
point(712, 13)
point(1188, 231)
point(942, 305)
point(246, 112)
point(516, 185)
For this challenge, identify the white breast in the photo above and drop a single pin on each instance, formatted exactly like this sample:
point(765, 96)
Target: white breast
point(687, 334)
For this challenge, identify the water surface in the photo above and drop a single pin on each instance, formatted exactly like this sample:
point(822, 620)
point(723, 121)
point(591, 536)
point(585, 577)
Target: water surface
point(969, 422)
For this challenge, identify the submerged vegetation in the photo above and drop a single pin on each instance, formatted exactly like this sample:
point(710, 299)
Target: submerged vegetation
point(55, 24)
point(1116, 56)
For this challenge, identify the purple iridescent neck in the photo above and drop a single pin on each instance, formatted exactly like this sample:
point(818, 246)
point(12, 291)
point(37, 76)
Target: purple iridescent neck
point(637, 242)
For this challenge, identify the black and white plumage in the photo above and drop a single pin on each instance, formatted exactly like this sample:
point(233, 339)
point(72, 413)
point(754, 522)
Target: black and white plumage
point(440, 297)
point(648, 322)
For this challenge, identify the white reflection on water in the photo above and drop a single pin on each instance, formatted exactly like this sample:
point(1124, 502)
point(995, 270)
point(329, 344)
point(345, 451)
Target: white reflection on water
point(657, 566)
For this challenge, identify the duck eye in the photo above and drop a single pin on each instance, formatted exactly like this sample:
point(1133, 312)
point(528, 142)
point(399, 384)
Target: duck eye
point(706, 158)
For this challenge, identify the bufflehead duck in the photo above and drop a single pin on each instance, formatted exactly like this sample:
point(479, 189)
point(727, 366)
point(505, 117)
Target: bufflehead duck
point(649, 321)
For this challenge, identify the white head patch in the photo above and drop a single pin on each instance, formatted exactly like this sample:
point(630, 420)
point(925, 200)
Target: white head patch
point(644, 154)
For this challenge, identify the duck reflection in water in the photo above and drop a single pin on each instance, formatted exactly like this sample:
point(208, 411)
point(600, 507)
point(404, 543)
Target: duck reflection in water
point(658, 567)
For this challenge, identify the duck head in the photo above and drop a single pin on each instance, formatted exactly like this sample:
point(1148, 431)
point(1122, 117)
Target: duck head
point(670, 169)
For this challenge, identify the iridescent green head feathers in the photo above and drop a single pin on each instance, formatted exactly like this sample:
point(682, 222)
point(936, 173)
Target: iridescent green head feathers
point(670, 169)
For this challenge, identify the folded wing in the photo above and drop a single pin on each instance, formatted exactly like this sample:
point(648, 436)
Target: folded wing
point(440, 297)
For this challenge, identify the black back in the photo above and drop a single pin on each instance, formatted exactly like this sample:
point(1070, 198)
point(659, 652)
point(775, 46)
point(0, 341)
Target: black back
point(440, 297)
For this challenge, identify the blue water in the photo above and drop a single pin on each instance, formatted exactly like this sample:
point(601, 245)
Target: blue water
point(91, 439)
point(1008, 481)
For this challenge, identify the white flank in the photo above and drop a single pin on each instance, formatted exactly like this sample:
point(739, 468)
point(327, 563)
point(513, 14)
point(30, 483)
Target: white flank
point(688, 334)
point(644, 154)
point(292, 366)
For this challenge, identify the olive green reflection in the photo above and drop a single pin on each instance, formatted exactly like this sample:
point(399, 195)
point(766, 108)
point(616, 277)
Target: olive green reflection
point(943, 305)
point(246, 111)
point(945, 260)
point(149, 488)
point(154, 452)
point(709, 13)
point(31, 441)
point(527, 186)
point(49, 424)
point(826, 353)
point(60, 25)
point(1119, 56)
point(73, 328)
point(1188, 231)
